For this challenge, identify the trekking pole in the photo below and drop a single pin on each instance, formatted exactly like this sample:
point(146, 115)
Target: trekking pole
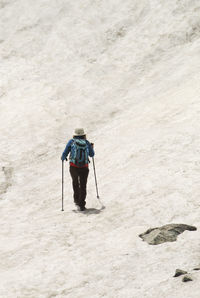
point(95, 177)
point(62, 185)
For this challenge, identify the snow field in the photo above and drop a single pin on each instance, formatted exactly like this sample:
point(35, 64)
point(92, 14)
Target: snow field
point(128, 72)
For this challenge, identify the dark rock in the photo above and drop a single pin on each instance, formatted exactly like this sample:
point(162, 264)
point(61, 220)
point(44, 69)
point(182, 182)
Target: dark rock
point(167, 233)
point(187, 278)
point(179, 272)
point(197, 268)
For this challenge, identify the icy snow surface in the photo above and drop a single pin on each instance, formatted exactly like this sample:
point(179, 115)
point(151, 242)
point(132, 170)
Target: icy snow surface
point(128, 71)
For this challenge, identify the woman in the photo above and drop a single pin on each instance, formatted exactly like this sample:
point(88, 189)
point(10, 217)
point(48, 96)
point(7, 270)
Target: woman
point(80, 149)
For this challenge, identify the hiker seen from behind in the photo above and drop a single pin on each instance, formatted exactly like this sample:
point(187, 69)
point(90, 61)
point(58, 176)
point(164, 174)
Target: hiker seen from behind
point(80, 149)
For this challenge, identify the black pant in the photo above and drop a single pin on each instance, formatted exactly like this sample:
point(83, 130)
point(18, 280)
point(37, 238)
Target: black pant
point(79, 183)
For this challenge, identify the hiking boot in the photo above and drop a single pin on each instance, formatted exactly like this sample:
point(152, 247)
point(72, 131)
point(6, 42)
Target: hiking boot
point(82, 208)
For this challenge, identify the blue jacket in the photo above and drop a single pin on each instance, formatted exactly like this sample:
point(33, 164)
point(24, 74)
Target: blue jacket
point(68, 149)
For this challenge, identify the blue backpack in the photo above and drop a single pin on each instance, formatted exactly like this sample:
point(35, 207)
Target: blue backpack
point(79, 152)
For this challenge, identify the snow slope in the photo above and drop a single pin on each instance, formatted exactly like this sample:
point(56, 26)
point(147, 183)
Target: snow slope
point(128, 72)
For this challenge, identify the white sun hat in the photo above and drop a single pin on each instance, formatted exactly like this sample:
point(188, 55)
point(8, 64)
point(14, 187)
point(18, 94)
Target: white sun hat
point(79, 132)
